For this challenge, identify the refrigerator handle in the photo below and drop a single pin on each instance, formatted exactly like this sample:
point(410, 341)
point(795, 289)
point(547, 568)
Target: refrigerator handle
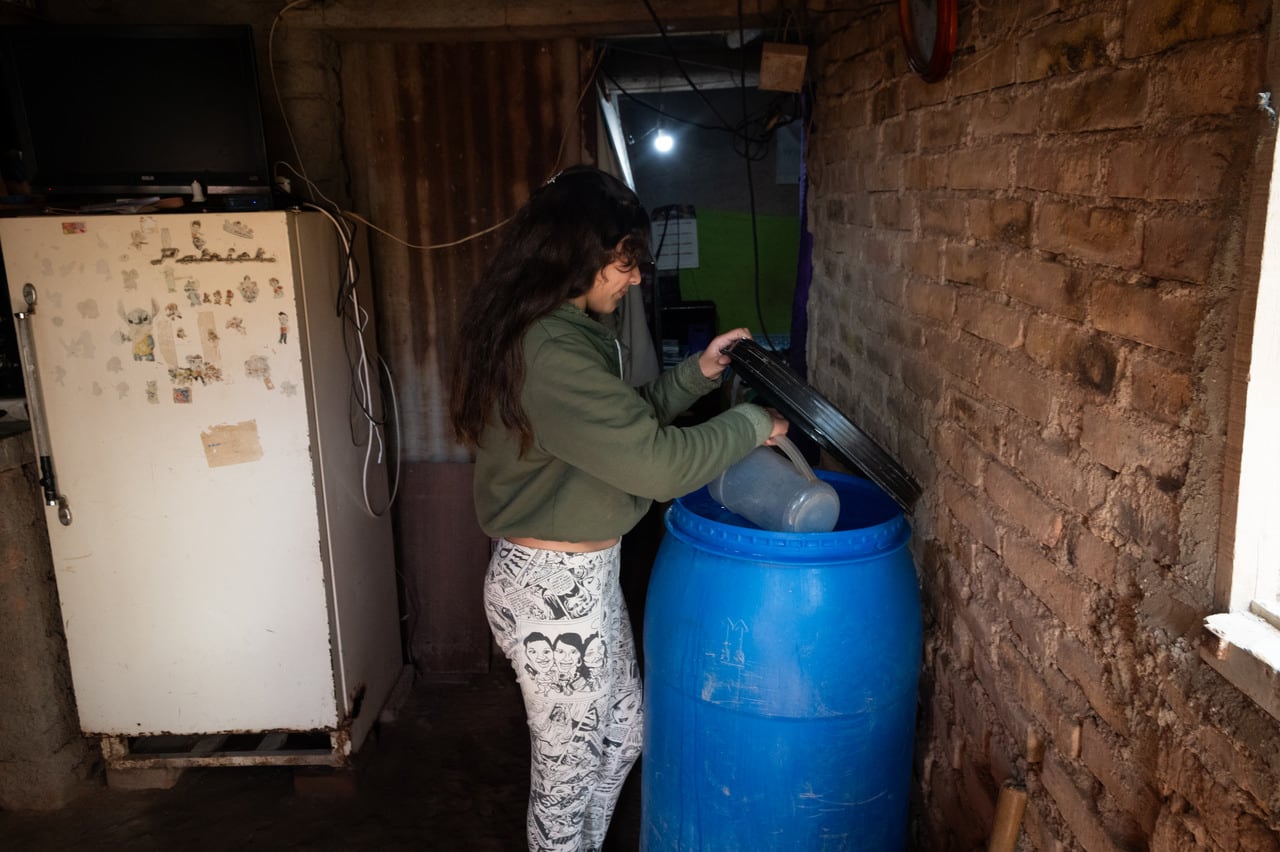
point(35, 407)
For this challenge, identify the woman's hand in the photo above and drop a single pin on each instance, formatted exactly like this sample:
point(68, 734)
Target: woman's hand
point(712, 361)
point(780, 426)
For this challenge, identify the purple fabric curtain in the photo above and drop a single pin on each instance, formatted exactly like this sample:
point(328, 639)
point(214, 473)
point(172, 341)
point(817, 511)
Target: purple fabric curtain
point(804, 265)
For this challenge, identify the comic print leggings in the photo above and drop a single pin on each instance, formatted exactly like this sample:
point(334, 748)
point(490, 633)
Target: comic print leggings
point(561, 620)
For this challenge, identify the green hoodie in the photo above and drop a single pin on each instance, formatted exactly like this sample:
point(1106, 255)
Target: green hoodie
point(602, 451)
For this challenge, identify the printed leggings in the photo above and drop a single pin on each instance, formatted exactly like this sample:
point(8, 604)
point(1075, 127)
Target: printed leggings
point(561, 620)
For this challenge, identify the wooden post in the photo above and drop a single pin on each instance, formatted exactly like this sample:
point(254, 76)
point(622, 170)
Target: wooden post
point(1008, 820)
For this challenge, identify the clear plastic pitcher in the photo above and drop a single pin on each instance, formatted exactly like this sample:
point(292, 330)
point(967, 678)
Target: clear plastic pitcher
point(777, 494)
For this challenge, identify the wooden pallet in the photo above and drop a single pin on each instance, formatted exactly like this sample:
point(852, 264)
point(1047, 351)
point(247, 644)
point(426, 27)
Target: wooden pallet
point(271, 748)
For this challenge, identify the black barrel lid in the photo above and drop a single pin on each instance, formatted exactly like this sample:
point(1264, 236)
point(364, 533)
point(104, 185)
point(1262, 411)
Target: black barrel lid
point(801, 404)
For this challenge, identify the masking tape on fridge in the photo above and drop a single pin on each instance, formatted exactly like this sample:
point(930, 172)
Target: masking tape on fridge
point(227, 444)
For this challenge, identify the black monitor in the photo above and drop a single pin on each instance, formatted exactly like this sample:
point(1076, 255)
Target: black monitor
point(129, 111)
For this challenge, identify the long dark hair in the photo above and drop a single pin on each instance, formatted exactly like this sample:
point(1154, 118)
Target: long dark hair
point(550, 252)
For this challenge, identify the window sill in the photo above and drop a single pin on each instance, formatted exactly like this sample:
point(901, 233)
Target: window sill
point(1245, 649)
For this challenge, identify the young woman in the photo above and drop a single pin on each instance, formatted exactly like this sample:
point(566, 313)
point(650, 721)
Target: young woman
point(568, 458)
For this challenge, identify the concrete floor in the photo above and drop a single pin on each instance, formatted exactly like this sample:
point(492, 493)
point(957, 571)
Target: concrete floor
point(450, 772)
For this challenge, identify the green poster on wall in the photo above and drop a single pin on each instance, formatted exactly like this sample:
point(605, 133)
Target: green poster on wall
point(726, 270)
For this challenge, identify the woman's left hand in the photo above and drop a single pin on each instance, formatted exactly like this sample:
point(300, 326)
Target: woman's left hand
point(712, 361)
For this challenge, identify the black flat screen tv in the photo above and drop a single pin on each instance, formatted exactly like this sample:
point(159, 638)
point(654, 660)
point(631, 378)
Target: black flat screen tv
point(129, 111)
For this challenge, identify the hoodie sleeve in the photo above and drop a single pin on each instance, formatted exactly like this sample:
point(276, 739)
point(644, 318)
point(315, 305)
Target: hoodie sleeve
point(674, 390)
point(588, 417)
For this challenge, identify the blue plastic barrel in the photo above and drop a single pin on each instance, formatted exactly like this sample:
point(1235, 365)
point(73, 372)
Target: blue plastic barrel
point(780, 680)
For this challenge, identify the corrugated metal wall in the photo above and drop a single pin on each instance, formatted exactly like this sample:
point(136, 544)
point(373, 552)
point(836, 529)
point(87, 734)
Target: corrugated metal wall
point(444, 140)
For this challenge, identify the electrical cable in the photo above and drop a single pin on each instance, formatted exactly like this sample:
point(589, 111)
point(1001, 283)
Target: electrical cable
point(275, 86)
point(311, 185)
point(740, 133)
point(362, 393)
point(354, 324)
point(666, 41)
point(751, 195)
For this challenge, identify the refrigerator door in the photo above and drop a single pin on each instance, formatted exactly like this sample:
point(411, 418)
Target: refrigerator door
point(191, 577)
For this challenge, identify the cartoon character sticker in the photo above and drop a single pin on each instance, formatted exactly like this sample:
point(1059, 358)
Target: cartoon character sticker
point(238, 228)
point(197, 370)
point(249, 289)
point(209, 339)
point(139, 321)
point(258, 367)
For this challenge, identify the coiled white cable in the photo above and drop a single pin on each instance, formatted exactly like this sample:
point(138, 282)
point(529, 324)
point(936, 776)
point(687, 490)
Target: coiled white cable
point(363, 383)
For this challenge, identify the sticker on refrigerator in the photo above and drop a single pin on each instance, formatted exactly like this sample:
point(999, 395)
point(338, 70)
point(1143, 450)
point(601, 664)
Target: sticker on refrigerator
point(249, 289)
point(258, 367)
point(197, 370)
point(80, 347)
point(168, 251)
point(238, 228)
point(209, 337)
point(284, 327)
point(139, 321)
point(277, 289)
point(166, 344)
point(207, 256)
point(153, 392)
point(74, 227)
point(231, 443)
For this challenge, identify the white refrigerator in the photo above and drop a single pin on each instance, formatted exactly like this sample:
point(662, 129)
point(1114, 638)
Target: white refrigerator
point(217, 516)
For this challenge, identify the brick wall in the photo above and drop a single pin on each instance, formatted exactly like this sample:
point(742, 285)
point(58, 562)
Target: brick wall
point(1025, 286)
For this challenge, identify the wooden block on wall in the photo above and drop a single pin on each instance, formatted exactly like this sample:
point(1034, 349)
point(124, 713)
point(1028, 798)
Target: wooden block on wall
point(442, 554)
point(782, 67)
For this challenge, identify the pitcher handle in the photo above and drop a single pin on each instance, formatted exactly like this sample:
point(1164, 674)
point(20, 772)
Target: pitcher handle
point(783, 443)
